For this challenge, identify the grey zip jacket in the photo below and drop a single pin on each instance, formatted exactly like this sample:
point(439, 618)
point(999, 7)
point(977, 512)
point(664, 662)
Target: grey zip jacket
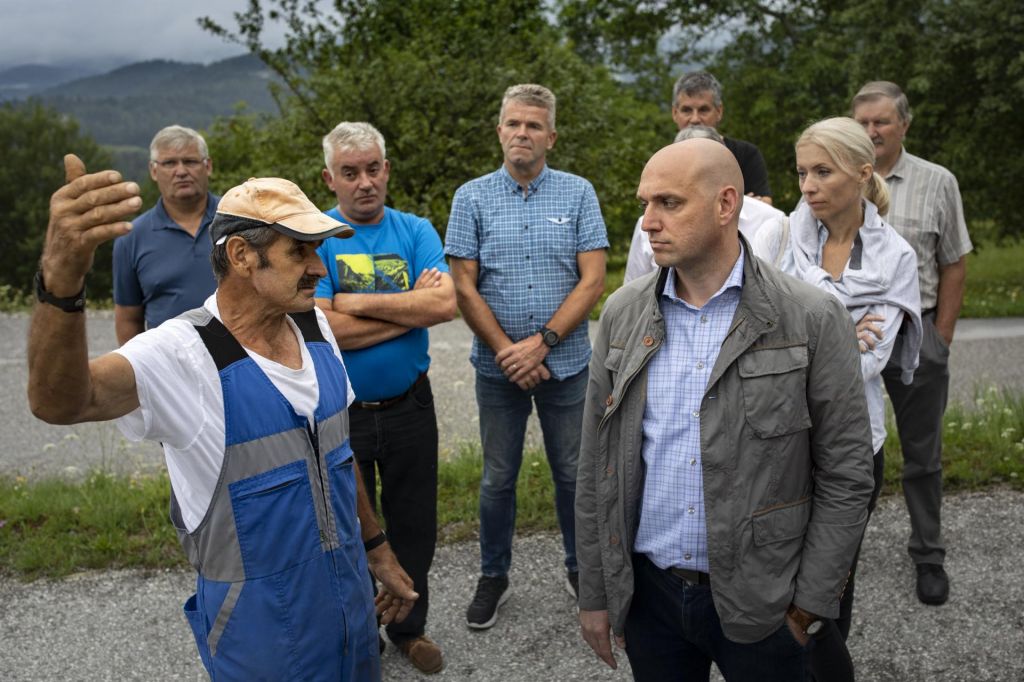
point(785, 448)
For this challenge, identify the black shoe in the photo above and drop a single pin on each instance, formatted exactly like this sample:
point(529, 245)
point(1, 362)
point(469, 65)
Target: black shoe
point(490, 594)
point(932, 584)
point(572, 584)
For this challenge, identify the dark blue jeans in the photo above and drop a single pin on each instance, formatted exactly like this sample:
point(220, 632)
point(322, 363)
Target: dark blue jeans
point(399, 444)
point(673, 634)
point(504, 409)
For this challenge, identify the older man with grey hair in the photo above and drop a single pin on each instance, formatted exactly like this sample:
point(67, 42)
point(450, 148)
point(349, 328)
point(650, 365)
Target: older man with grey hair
point(162, 267)
point(925, 208)
point(753, 214)
point(247, 395)
point(384, 287)
point(697, 100)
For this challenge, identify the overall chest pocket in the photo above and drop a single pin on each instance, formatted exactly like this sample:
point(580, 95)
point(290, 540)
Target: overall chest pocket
point(774, 382)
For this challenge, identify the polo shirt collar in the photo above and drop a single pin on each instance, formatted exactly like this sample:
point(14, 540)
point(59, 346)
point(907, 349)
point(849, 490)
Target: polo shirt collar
point(166, 223)
point(513, 186)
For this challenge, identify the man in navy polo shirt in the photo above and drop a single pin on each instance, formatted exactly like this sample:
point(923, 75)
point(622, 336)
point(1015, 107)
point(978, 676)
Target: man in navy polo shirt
point(384, 286)
point(162, 267)
point(527, 246)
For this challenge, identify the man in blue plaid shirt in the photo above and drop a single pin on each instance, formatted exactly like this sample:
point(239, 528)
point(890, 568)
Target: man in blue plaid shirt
point(527, 251)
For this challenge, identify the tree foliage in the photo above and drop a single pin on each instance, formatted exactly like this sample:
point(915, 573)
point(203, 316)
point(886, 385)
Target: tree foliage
point(33, 141)
point(430, 76)
point(786, 63)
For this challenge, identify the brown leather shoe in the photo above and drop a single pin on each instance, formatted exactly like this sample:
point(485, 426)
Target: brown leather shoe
point(422, 652)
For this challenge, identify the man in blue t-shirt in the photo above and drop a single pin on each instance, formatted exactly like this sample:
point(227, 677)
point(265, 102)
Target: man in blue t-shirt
point(383, 288)
point(162, 267)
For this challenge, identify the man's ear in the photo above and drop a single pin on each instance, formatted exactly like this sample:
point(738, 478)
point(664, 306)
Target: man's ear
point(729, 203)
point(241, 258)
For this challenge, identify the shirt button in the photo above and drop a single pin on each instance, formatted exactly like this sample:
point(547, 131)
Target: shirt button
point(529, 286)
point(609, 471)
point(690, 510)
point(613, 540)
point(693, 462)
point(700, 365)
point(687, 556)
point(703, 319)
point(696, 414)
point(648, 341)
point(527, 258)
point(609, 401)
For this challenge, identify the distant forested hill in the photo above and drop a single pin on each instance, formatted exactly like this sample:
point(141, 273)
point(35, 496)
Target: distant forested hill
point(123, 109)
point(128, 105)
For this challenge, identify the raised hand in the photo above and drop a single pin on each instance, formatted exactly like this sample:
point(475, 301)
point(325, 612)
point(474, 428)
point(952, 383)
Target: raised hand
point(87, 211)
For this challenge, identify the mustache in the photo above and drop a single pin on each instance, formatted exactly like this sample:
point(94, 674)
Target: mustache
point(308, 282)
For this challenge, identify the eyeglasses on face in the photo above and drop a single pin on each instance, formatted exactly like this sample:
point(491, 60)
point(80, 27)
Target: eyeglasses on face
point(171, 164)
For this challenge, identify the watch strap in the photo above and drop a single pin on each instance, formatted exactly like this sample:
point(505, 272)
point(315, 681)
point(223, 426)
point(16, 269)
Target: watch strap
point(550, 336)
point(71, 304)
point(375, 542)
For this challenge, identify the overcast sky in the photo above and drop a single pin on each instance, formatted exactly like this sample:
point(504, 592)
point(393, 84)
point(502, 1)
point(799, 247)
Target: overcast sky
point(112, 31)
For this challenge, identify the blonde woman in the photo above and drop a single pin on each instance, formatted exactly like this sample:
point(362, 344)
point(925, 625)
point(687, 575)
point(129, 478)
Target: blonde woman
point(837, 240)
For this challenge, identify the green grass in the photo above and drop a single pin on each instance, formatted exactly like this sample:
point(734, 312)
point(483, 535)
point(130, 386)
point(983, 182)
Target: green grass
point(53, 527)
point(982, 444)
point(995, 281)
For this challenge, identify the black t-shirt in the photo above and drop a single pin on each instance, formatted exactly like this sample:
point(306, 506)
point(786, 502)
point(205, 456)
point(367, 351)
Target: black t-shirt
point(755, 173)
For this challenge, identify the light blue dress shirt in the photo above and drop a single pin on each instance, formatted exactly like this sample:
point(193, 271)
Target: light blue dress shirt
point(672, 524)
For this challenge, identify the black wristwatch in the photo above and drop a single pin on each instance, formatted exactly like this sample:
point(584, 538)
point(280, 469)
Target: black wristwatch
point(808, 622)
point(71, 304)
point(550, 336)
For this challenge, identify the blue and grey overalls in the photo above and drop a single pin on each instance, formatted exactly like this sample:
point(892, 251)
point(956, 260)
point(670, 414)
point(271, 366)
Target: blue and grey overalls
point(283, 591)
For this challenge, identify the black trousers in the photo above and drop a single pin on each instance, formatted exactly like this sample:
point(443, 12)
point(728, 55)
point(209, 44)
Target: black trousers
point(399, 444)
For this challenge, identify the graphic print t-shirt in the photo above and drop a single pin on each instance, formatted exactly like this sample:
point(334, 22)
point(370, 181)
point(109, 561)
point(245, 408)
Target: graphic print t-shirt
point(380, 259)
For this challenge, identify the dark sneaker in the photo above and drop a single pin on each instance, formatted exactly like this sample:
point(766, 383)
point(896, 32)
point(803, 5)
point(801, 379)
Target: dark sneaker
point(572, 584)
point(490, 594)
point(423, 653)
point(932, 584)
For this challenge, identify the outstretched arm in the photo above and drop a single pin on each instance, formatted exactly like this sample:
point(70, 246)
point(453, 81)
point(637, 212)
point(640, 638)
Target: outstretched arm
point(64, 387)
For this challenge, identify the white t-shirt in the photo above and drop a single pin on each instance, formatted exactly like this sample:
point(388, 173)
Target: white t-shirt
point(753, 214)
point(182, 405)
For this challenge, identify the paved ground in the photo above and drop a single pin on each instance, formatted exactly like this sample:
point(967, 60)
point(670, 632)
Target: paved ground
point(128, 625)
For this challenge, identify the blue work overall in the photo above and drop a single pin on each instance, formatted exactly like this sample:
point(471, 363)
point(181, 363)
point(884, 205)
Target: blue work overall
point(283, 591)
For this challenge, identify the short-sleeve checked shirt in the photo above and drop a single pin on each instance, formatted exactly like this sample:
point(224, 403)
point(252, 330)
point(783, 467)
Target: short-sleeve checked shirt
point(526, 246)
point(925, 208)
point(672, 524)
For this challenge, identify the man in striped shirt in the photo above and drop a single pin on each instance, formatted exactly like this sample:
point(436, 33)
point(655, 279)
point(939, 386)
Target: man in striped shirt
point(927, 211)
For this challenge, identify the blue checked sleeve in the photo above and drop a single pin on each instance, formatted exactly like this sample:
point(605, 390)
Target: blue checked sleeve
point(462, 239)
point(591, 232)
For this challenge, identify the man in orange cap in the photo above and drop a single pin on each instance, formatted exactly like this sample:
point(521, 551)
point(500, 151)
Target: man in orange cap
point(248, 395)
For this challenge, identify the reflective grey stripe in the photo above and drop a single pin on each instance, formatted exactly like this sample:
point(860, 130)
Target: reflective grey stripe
point(223, 615)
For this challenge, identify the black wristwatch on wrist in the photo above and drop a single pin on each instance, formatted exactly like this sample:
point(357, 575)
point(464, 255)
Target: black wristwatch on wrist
point(71, 304)
point(550, 336)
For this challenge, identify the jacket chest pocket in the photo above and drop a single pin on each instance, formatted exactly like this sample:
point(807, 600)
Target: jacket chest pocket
point(774, 382)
